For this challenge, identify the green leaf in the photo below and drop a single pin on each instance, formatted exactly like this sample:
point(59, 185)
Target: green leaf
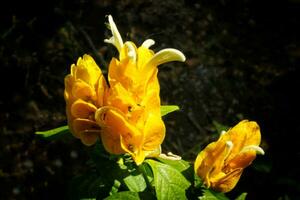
point(169, 183)
point(57, 132)
point(242, 196)
point(135, 183)
point(147, 173)
point(128, 195)
point(212, 195)
point(115, 187)
point(164, 110)
point(186, 169)
point(180, 165)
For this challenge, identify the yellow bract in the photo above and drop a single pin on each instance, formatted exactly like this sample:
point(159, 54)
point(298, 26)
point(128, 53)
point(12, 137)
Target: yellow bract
point(221, 163)
point(85, 90)
point(128, 112)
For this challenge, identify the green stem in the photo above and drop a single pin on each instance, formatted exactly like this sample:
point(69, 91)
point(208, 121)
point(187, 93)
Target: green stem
point(142, 170)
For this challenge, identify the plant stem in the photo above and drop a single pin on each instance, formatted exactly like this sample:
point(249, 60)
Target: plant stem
point(142, 170)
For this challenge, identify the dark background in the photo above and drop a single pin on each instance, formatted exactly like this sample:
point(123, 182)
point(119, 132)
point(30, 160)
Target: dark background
point(242, 63)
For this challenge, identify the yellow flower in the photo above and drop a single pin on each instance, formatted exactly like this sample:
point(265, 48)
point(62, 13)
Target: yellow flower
point(131, 120)
point(85, 90)
point(127, 113)
point(221, 163)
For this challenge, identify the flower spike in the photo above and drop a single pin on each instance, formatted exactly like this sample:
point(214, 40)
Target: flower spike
point(125, 112)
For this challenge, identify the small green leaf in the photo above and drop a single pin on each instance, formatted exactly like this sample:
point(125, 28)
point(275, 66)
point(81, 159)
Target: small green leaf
point(212, 195)
point(115, 187)
point(242, 196)
point(60, 131)
point(164, 110)
point(128, 195)
point(135, 183)
point(169, 183)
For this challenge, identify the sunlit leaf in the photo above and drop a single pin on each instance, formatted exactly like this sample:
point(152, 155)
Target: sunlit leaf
point(135, 183)
point(147, 171)
point(180, 165)
point(164, 110)
point(169, 183)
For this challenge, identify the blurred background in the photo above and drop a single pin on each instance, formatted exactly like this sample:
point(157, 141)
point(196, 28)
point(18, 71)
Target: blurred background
point(242, 63)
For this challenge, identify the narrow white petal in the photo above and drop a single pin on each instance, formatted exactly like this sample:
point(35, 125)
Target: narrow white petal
point(169, 156)
point(166, 55)
point(148, 43)
point(229, 146)
point(116, 38)
point(131, 51)
point(258, 149)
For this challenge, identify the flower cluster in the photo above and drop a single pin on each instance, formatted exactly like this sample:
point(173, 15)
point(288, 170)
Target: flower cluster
point(125, 114)
point(124, 111)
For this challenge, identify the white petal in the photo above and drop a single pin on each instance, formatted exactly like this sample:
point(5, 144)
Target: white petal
point(169, 156)
point(148, 43)
point(116, 38)
point(131, 51)
point(258, 149)
point(229, 146)
point(166, 55)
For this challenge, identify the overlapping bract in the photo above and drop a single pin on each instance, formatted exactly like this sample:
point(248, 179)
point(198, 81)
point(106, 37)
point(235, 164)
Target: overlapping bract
point(127, 113)
point(85, 91)
point(221, 163)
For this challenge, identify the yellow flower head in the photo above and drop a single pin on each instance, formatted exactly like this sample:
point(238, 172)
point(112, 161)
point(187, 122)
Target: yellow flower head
point(221, 163)
point(127, 113)
point(85, 89)
point(131, 120)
